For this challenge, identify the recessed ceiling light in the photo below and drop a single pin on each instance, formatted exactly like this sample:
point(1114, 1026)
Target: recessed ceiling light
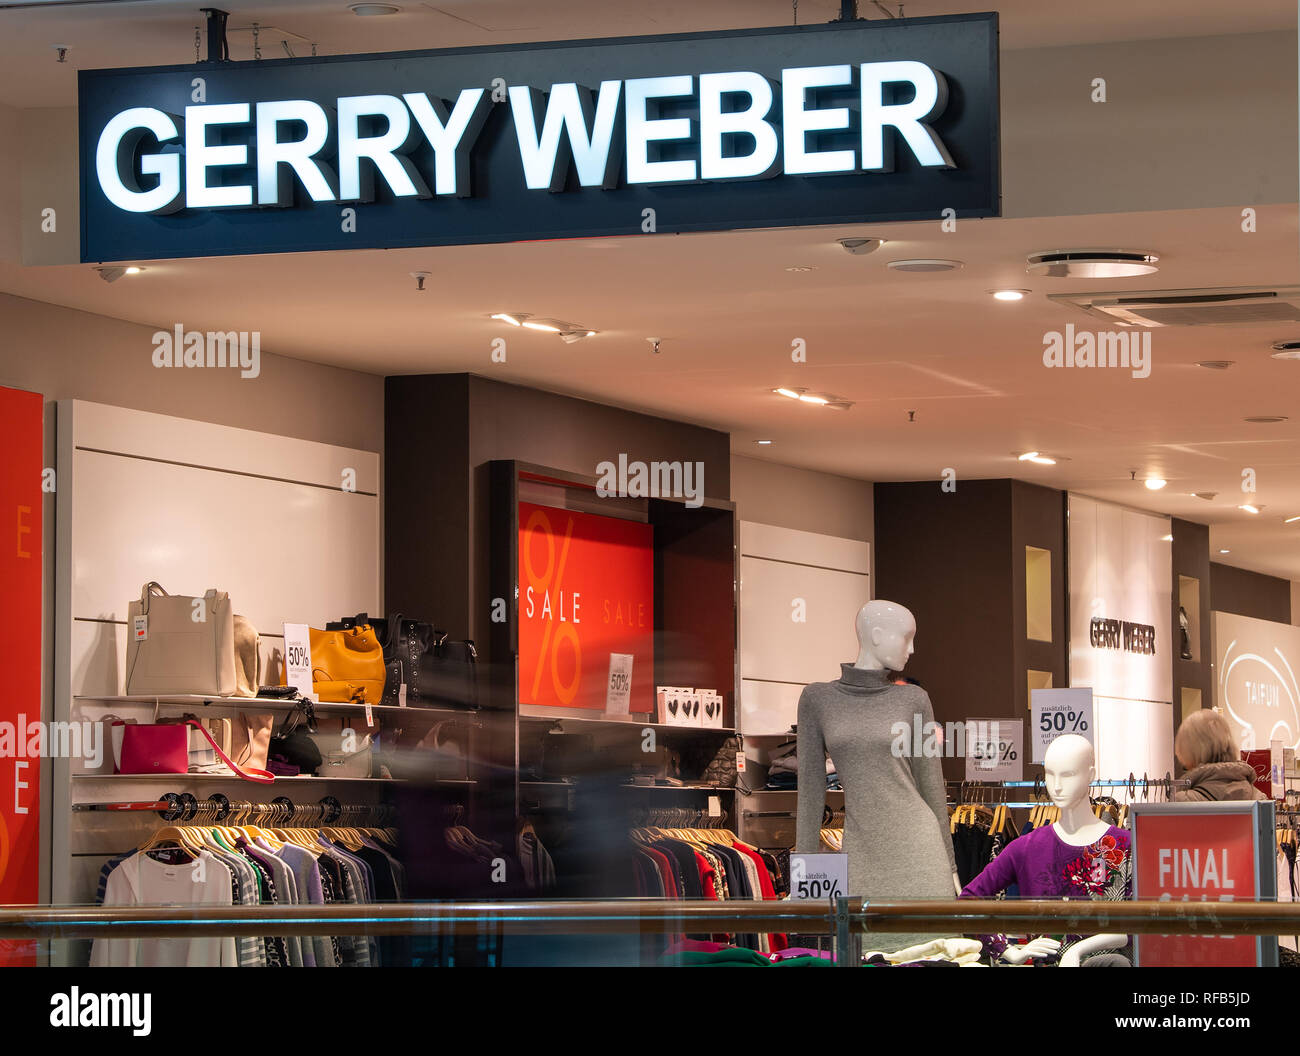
point(1216, 364)
point(111, 273)
point(1265, 419)
point(1208, 496)
point(924, 265)
point(1037, 457)
point(1291, 520)
point(513, 318)
point(810, 398)
point(793, 394)
point(762, 443)
point(1155, 483)
point(1250, 507)
point(1091, 263)
point(1009, 295)
point(1225, 551)
point(373, 10)
point(802, 268)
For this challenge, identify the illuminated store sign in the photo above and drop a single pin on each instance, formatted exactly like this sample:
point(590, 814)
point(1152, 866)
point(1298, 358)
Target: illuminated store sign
point(812, 125)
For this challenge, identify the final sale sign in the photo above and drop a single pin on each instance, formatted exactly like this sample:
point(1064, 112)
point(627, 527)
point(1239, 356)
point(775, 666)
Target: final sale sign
point(586, 590)
point(20, 601)
point(1212, 852)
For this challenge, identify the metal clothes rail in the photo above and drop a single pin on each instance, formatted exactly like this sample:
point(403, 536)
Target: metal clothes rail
point(655, 916)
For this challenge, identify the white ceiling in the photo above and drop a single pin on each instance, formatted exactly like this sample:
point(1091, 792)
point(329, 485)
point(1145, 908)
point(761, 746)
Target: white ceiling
point(728, 309)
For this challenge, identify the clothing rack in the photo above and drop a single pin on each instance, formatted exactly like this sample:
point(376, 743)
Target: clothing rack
point(185, 807)
point(677, 818)
point(1145, 788)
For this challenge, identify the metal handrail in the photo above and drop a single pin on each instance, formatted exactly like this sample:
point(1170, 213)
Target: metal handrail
point(967, 916)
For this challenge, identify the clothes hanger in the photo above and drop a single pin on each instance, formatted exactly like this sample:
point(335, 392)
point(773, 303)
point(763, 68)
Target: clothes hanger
point(173, 835)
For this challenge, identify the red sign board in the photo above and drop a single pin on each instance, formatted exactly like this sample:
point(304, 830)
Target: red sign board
point(586, 590)
point(1200, 853)
point(20, 703)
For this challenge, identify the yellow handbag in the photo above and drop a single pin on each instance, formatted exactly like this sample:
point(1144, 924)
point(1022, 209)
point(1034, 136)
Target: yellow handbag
point(347, 666)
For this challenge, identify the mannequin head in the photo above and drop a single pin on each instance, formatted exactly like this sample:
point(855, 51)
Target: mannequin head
point(885, 632)
point(1069, 767)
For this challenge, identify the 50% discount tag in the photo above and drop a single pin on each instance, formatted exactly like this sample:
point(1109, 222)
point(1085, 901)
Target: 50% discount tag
point(818, 876)
point(995, 750)
point(1057, 712)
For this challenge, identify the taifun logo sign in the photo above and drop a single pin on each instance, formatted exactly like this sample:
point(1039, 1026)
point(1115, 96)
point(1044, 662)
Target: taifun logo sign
point(755, 128)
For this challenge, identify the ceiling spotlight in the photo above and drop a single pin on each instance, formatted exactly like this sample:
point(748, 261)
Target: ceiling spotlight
point(1091, 264)
point(860, 247)
point(1286, 350)
point(513, 318)
point(549, 326)
point(111, 274)
point(1009, 295)
point(1291, 520)
point(1250, 507)
point(1216, 364)
point(1037, 457)
point(793, 394)
point(924, 265)
point(1155, 483)
point(810, 398)
point(570, 337)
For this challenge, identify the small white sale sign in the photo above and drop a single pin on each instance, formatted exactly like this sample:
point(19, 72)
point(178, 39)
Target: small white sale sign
point(819, 876)
point(618, 691)
point(297, 658)
point(1057, 712)
point(995, 750)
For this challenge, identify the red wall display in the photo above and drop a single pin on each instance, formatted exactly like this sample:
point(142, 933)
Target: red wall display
point(1198, 856)
point(586, 590)
point(20, 601)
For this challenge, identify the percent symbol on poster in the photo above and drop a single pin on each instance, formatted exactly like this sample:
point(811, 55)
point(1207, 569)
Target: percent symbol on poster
point(549, 649)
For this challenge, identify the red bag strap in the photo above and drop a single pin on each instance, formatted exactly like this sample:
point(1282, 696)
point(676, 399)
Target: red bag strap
point(248, 773)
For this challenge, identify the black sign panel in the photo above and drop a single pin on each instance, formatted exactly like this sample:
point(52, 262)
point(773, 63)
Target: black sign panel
point(828, 124)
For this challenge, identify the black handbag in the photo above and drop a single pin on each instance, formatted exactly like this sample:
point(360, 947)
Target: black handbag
point(293, 744)
point(448, 673)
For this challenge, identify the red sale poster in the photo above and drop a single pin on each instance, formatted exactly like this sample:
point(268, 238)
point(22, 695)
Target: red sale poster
point(586, 590)
point(1195, 857)
point(20, 601)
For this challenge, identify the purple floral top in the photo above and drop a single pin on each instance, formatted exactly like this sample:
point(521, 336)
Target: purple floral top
point(1043, 865)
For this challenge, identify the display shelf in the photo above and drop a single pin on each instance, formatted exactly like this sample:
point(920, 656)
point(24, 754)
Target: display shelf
point(681, 788)
point(271, 703)
point(529, 714)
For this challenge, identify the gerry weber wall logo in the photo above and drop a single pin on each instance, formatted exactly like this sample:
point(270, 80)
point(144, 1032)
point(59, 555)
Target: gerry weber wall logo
point(1137, 638)
point(1261, 695)
point(654, 480)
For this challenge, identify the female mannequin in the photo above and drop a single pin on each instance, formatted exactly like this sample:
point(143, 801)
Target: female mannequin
point(896, 818)
point(1076, 857)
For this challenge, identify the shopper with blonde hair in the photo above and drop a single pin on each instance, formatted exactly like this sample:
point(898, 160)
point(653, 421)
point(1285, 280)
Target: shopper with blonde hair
point(1215, 770)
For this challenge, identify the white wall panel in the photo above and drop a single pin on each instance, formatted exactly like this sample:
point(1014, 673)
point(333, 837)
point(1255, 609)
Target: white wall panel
point(784, 573)
point(283, 551)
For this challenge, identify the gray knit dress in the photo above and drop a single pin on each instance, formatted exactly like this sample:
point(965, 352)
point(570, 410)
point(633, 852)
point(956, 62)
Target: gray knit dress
point(896, 816)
